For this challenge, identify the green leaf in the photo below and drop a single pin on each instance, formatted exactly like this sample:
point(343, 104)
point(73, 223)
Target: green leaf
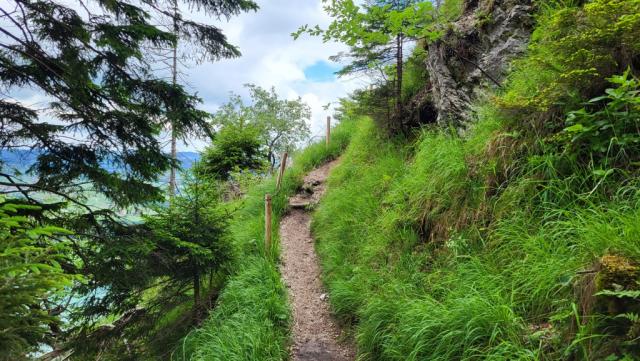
point(576, 128)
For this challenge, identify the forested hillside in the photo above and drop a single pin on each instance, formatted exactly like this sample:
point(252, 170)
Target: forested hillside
point(483, 201)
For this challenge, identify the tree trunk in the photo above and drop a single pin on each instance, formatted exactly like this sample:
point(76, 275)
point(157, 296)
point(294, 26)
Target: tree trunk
point(174, 80)
point(174, 157)
point(271, 157)
point(196, 297)
point(399, 75)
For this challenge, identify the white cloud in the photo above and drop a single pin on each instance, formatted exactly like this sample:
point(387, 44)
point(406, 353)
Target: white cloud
point(272, 58)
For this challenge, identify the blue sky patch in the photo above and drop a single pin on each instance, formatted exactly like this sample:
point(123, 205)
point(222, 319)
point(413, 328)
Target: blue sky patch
point(321, 71)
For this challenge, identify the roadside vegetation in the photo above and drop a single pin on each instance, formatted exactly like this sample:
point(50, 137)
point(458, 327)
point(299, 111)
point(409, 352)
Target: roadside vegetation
point(251, 318)
point(518, 239)
point(509, 233)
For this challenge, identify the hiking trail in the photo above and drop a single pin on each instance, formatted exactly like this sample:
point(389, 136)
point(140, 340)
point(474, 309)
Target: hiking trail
point(316, 335)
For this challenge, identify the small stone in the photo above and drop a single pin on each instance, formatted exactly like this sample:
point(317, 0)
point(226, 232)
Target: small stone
point(323, 296)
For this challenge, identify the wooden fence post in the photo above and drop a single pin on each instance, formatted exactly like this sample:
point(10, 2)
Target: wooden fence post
point(283, 164)
point(267, 223)
point(328, 130)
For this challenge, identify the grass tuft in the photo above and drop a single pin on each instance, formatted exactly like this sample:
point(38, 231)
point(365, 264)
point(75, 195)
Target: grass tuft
point(428, 261)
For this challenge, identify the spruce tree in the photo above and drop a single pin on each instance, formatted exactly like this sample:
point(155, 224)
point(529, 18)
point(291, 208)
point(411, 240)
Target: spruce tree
point(95, 134)
point(98, 129)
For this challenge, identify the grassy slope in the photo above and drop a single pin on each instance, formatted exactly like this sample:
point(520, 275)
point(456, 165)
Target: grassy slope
point(469, 248)
point(251, 318)
point(474, 291)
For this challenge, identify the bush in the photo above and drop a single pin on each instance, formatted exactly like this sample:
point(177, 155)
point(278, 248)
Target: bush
point(607, 129)
point(234, 149)
point(573, 51)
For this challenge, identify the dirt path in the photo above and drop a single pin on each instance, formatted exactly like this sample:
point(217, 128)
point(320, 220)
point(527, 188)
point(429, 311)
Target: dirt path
point(315, 334)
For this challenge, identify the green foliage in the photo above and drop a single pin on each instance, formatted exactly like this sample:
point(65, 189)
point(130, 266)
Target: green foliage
point(572, 52)
point(95, 135)
point(251, 319)
point(609, 125)
point(32, 278)
point(375, 23)
point(634, 294)
point(94, 68)
point(576, 50)
point(233, 149)
point(280, 124)
point(629, 314)
point(376, 32)
point(451, 10)
point(429, 259)
point(159, 267)
point(375, 102)
point(190, 236)
point(415, 73)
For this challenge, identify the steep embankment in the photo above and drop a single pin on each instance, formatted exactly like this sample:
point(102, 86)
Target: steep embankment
point(427, 264)
point(517, 240)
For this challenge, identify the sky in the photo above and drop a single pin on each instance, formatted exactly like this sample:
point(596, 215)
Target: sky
point(270, 57)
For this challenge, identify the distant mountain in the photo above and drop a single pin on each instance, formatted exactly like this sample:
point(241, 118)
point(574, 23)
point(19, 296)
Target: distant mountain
point(188, 158)
point(21, 159)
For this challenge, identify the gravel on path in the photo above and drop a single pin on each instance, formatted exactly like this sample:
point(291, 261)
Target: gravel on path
point(316, 335)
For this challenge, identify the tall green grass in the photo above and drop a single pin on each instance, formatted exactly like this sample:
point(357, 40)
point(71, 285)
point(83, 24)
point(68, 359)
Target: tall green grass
point(251, 318)
point(429, 261)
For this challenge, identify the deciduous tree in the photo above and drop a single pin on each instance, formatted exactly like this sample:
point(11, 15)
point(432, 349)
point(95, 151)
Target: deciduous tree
point(281, 124)
point(376, 33)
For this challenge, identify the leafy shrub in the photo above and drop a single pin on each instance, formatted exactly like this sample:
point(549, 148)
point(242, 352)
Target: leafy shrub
point(572, 52)
point(234, 149)
point(609, 125)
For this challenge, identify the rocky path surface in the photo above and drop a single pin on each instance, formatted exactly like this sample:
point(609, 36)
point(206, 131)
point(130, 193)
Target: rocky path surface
point(316, 336)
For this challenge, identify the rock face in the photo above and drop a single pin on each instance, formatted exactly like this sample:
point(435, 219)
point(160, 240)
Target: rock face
point(475, 53)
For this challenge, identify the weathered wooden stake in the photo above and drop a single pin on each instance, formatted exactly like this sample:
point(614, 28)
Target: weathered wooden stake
point(328, 130)
point(283, 164)
point(267, 223)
